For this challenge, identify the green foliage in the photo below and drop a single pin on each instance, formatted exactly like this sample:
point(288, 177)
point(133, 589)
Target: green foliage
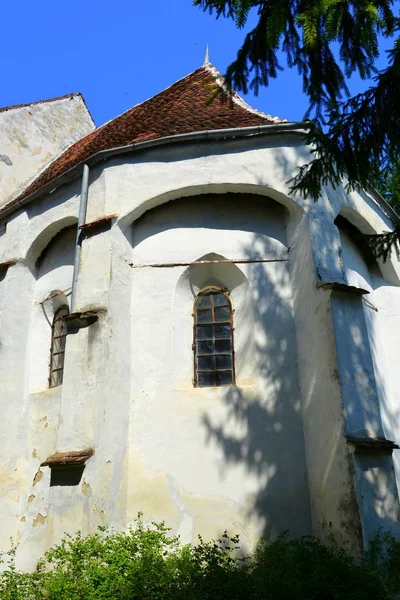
point(387, 182)
point(327, 41)
point(307, 31)
point(146, 563)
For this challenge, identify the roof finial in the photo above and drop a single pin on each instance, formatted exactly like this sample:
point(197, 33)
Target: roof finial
point(207, 57)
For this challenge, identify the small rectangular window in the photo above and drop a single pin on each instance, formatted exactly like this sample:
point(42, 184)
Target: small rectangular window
point(66, 475)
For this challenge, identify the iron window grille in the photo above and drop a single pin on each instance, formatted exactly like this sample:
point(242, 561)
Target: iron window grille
point(213, 339)
point(58, 341)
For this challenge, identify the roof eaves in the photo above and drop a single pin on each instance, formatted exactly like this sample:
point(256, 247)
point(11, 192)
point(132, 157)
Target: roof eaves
point(383, 204)
point(103, 155)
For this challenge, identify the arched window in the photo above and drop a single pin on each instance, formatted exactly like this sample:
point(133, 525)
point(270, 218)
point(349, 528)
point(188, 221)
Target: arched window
point(213, 339)
point(58, 340)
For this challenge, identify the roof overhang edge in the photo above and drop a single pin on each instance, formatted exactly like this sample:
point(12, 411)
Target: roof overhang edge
point(297, 128)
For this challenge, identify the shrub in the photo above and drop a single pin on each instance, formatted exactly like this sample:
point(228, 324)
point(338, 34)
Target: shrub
point(146, 563)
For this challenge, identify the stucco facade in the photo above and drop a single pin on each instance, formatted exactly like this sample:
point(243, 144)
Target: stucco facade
point(298, 443)
point(33, 135)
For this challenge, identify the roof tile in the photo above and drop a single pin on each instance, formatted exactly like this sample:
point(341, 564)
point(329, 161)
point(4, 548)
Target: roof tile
point(184, 107)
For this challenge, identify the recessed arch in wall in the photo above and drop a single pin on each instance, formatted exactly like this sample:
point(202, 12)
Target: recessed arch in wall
point(44, 238)
point(295, 210)
point(361, 224)
point(53, 269)
point(59, 252)
point(233, 281)
point(179, 231)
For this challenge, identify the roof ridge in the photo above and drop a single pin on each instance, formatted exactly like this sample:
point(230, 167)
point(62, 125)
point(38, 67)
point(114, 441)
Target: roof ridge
point(182, 107)
point(64, 97)
point(147, 100)
point(97, 129)
point(234, 96)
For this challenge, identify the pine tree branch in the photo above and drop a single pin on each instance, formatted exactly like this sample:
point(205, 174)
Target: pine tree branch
point(364, 132)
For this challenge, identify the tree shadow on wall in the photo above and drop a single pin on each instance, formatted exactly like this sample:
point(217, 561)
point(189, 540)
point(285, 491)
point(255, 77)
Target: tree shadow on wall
point(364, 400)
point(260, 436)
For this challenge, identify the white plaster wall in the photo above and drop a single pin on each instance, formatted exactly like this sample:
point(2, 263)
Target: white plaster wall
point(230, 457)
point(14, 457)
point(32, 136)
point(54, 271)
point(330, 468)
point(116, 398)
point(382, 318)
point(2, 294)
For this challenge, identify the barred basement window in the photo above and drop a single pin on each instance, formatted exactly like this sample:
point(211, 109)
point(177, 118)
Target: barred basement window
point(213, 339)
point(58, 340)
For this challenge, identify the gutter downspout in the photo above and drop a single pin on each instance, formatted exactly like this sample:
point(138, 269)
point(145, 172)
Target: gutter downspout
point(81, 221)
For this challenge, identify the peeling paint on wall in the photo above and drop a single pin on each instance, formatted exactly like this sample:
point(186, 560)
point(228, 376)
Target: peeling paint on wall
point(39, 520)
point(37, 477)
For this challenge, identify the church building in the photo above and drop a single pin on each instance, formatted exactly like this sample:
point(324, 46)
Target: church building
point(182, 336)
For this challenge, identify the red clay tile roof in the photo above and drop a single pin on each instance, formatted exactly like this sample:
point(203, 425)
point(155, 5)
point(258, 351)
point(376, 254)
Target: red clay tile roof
point(182, 108)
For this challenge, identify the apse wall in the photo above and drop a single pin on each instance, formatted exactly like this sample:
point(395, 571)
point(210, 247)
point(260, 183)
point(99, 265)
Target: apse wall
point(382, 316)
point(206, 456)
point(382, 320)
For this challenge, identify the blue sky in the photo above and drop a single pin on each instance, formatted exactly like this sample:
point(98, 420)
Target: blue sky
point(121, 52)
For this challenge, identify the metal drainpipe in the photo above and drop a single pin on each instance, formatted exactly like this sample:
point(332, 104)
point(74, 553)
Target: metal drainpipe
point(81, 221)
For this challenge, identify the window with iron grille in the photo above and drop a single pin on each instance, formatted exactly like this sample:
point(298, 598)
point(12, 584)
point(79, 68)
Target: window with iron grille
point(213, 339)
point(58, 340)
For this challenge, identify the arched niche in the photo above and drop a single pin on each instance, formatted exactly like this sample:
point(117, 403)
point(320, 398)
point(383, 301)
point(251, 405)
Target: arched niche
point(54, 271)
point(44, 237)
point(232, 279)
point(359, 223)
point(294, 209)
point(380, 312)
point(240, 226)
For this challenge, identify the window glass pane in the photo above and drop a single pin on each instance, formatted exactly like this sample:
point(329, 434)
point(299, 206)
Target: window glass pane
point(204, 332)
point(222, 331)
point(205, 347)
point(58, 344)
point(205, 379)
point(222, 346)
point(58, 361)
point(222, 314)
point(204, 316)
point(58, 347)
point(223, 362)
point(58, 328)
point(213, 342)
point(205, 363)
point(220, 299)
point(63, 328)
point(204, 301)
point(223, 377)
point(56, 378)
